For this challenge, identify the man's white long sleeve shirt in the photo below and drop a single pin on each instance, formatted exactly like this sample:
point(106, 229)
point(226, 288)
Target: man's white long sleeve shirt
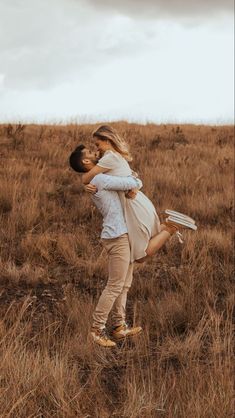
point(108, 203)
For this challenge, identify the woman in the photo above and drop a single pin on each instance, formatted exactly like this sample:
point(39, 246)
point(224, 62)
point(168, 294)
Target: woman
point(146, 234)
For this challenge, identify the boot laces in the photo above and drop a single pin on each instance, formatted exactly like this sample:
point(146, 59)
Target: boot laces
point(102, 333)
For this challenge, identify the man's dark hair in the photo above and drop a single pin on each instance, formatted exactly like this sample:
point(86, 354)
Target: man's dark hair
point(75, 159)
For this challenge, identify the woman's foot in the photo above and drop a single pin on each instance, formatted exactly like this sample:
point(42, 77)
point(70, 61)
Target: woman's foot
point(174, 224)
point(169, 212)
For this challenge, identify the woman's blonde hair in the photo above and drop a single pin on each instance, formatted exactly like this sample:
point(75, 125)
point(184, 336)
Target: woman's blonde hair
point(107, 133)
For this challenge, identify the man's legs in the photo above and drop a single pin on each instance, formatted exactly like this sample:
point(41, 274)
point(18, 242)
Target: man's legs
point(119, 262)
point(119, 307)
point(121, 330)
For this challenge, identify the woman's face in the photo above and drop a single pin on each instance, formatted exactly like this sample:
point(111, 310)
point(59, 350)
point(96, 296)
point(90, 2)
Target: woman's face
point(102, 146)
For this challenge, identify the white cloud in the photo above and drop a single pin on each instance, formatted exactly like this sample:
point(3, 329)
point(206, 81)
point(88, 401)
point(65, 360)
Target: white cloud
point(43, 43)
point(63, 58)
point(2, 77)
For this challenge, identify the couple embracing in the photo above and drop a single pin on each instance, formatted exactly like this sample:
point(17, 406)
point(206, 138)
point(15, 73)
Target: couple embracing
point(131, 232)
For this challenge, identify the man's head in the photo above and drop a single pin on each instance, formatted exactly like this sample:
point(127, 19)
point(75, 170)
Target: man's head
point(82, 160)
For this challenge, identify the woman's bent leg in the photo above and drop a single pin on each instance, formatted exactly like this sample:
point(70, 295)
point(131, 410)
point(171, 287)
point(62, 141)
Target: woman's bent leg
point(160, 239)
point(157, 242)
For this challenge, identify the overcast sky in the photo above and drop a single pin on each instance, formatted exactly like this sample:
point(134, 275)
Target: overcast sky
point(89, 60)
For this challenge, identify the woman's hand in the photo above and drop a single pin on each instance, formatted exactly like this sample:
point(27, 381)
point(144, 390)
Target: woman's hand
point(90, 188)
point(131, 194)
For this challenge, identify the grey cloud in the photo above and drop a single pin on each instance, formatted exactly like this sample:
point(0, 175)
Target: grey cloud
point(46, 42)
point(52, 41)
point(39, 42)
point(167, 8)
point(43, 43)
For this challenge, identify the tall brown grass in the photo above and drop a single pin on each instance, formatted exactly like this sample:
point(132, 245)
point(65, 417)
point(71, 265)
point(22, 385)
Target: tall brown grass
point(53, 269)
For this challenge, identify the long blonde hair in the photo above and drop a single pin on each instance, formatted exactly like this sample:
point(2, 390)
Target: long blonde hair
point(107, 133)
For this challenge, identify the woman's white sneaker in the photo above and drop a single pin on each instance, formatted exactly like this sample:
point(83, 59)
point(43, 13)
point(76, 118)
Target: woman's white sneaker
point(169, 212)
point(180, 223)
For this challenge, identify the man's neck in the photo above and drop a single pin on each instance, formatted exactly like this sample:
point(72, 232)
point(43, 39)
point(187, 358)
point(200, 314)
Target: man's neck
point(90, 166)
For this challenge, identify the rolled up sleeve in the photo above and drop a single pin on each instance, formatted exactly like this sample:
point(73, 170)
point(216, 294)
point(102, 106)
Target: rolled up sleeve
point(121, 183)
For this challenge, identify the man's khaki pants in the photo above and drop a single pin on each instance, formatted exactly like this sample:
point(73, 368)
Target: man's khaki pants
point(120, 278)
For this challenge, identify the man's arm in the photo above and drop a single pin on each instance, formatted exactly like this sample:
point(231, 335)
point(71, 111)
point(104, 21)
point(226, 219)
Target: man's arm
point(87, 177)
point(120, 183)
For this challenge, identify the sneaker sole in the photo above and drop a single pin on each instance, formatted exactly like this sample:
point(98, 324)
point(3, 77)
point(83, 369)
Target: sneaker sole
point(181, 222)
point(179, 215)
point(127, 336)
point(96, 342)
point(103, 346)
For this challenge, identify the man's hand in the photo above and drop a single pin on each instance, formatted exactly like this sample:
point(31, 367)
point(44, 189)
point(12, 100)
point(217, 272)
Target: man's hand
point(134, 174)
point(90, 188)
point(131, 194)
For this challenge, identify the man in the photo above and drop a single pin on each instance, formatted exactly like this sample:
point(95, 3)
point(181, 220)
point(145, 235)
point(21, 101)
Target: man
point(115, 239)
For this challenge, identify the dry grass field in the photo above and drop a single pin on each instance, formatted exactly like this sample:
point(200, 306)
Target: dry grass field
point(53, 268)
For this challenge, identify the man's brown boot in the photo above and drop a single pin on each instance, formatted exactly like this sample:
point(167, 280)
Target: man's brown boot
point(99, 337)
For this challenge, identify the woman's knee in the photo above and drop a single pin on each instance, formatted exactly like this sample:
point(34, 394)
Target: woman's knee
point(150, 251)
point(142, 260)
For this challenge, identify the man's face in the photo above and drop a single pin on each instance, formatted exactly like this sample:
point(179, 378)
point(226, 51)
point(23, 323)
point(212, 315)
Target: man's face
point(90, 155)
